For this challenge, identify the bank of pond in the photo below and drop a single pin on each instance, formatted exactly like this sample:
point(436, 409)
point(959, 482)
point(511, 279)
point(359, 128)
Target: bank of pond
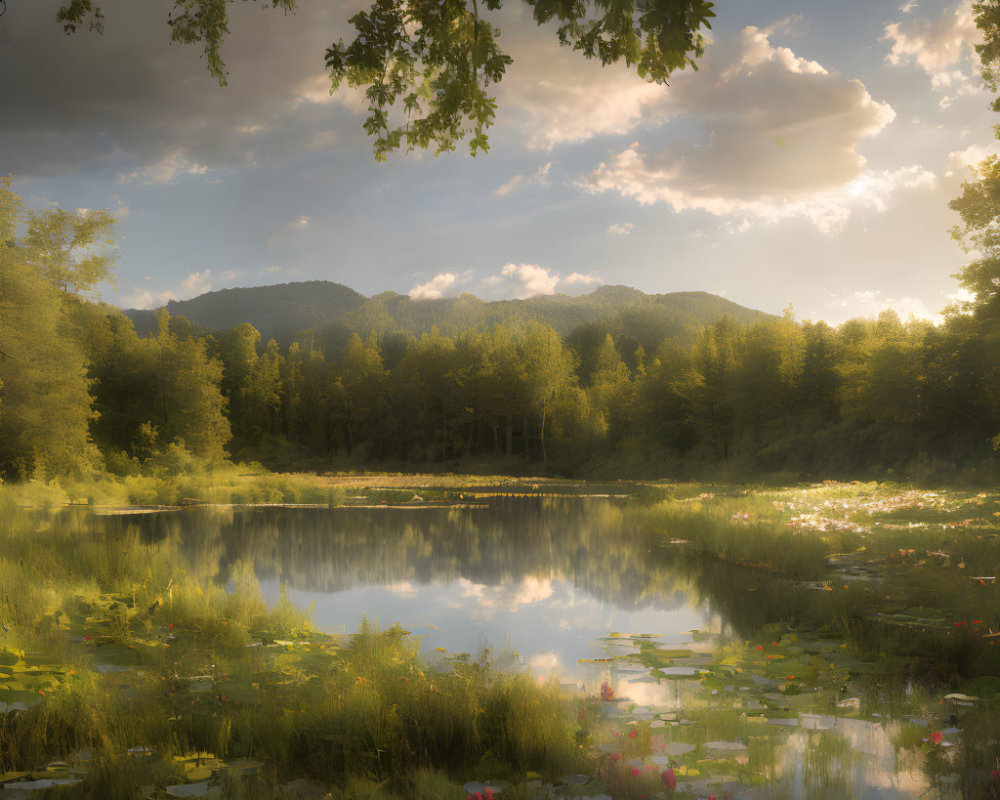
point(445, 638)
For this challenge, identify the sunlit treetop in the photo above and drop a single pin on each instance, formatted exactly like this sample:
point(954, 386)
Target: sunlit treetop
point(427, 65)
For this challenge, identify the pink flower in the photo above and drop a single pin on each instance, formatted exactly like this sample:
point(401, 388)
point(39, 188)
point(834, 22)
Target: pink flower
point(631, 734)
point(635, 772)
point(935, 737)
point(669, 779)
point(607, 693)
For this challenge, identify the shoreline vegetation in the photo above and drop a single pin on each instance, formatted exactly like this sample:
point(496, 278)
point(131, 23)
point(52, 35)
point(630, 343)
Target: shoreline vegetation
point(124, 674)
point(633, 392)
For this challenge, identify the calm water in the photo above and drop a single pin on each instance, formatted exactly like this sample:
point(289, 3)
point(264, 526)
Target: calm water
point(579, 588)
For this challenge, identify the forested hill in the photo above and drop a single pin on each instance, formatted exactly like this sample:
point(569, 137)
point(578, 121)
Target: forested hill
point(278, 312)
point(335, 311)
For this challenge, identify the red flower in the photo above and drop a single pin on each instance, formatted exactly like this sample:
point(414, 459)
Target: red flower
point(635, 772)
point(669, 779)
point(935, 737)
point(631, 734)
point(607, 693)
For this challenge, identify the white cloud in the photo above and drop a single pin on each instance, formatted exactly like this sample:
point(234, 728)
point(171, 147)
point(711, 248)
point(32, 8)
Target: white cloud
point(316, 90)
point(435, 288)
point(961, 161)
point(780, 141)
point(508, 597)
point(141, 298)
point(620, 229)
point(630, 174)
point(197, 283)
point(554, 97)
point(194, 284)
point(165, 171)
point(528, 280)
point(403, 589)
point(575, 278)
point(522, 281)
point(871, 302)
point(937, 45)
point(540, 176)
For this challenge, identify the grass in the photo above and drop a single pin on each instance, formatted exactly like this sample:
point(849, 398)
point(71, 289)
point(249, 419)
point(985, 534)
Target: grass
point(119, 636)
point(113, 647)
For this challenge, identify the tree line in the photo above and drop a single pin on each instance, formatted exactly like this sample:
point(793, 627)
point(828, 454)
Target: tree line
point(82, 393)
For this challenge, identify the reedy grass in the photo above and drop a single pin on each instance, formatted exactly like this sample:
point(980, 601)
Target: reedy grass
point(210, 668)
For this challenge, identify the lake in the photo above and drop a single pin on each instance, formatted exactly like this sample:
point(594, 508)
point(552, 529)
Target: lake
point(695, 653)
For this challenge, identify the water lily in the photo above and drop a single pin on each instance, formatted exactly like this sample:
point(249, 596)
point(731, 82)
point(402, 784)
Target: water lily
point(669, 779)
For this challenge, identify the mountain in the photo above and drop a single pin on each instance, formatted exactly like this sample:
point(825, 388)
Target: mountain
point(333, 312)
point(278, 312)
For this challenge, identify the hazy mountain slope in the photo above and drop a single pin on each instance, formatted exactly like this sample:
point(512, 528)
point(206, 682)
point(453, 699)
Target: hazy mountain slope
point(278, 312)
point(333, 312)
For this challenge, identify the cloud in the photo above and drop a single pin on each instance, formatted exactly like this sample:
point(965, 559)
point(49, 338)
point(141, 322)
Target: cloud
point(529, 280)
point(872, 302)
point(522, 281)
point(144, 299)
point(298, 224)
point(779, 140)
point(576, 278)
point(165, 171)
point(403, 589)
point(937, 45)
point(961, 161)
point(540, 176)
point(552, 96)
point(129, 102)
point(507, 597)
point(620, 229)
point(197, 283)
point(194, 284)
point(435, 288)
point(632, 175)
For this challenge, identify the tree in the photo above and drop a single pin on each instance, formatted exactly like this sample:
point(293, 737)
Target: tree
point(548, 366)
point(45, 401)
point(432, 62)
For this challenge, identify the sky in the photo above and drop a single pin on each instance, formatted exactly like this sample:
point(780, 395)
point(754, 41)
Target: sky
point(808, 162)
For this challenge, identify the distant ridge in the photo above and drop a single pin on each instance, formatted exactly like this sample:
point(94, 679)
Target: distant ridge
point(278, 311)
point(333, 311)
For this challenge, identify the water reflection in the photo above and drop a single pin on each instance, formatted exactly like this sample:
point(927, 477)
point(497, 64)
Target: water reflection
point(551, 579)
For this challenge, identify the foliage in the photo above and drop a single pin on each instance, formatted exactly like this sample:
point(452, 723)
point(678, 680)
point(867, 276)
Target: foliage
point(434, 62)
